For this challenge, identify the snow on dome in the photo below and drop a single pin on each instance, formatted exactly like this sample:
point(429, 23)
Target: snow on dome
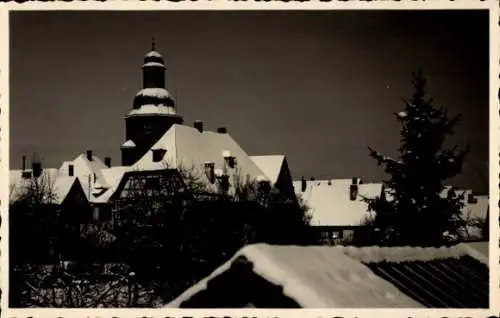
point(153, 54)
point(153, 64)
point(402, 114)
point(154, 92)
point(128, 144)
point(153, 110)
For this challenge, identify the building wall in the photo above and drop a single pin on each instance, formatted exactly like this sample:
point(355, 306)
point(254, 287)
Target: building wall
point(145, 131)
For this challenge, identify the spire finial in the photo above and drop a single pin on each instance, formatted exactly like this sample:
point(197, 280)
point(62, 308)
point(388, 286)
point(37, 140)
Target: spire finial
point(153, 44)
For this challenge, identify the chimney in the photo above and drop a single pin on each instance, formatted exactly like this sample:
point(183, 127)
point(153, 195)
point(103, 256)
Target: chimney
point(303, 184)
point(89, 155)
point(71, 170)
point(36, 167)
point(230, 160)
point(224, 183)
point(107, 162)
point(222, 130)
point(24, 163)
point(210, 171)
point(353, 192)
point(198, 124)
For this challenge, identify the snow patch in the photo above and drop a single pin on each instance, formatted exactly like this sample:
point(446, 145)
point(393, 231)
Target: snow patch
point(157, 92)
point(153, 54)
point(150, 109)
point(153, 64)
point(128, 144)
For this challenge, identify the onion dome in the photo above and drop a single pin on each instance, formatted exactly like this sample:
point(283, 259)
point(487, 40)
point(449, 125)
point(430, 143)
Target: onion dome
point(153, 58)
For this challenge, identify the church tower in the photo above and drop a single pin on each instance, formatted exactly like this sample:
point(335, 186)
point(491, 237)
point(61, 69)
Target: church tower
point(153, 111)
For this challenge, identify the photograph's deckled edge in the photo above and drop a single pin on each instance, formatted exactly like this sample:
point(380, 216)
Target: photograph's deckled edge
point(494, 161)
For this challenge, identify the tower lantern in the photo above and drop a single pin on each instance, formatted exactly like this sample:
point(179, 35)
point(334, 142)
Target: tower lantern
point(153, 110)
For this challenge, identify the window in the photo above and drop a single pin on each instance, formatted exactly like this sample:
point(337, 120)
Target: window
point(158, 154)
point(95, 214)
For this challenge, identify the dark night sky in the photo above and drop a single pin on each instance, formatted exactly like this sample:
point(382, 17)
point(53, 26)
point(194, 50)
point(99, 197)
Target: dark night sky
point(317, 86)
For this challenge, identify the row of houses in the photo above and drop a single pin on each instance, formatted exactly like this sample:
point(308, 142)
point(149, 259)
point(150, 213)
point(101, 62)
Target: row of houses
point(164, 158)
point(158, 143)
point(338, 207)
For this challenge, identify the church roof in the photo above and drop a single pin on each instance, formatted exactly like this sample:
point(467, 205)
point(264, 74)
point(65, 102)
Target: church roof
point(188, 148)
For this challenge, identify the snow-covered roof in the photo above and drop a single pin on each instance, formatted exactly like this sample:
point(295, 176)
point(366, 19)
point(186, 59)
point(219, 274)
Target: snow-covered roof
point(329, 201)
point(153, 64)
point(153, 54)
point(188, 148)
point(88, 172)
point(271, 165)
point(113, 176)
point(158, 92)
point(153, 110)
point(334, 276)
point(330, 205)
point(128, 144)
point(50, 181)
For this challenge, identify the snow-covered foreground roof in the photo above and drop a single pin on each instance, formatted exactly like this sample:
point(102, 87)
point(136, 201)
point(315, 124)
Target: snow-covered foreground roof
point(188, 148)
point(330, 205)
point(340, 277)
point(49, 182)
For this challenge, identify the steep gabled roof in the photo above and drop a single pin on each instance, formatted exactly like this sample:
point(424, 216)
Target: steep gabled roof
point(270, 165)
point(51, 180)
point(87, 171)
point(187, 148)
point(367, 277)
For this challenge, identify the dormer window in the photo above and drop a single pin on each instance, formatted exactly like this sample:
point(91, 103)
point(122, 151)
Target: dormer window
point(471, 198)
point(158, 154)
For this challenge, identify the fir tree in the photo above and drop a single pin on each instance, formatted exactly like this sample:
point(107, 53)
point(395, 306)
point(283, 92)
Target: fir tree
point(412, 209)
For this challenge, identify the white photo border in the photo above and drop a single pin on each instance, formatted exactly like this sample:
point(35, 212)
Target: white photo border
point(494, 155)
